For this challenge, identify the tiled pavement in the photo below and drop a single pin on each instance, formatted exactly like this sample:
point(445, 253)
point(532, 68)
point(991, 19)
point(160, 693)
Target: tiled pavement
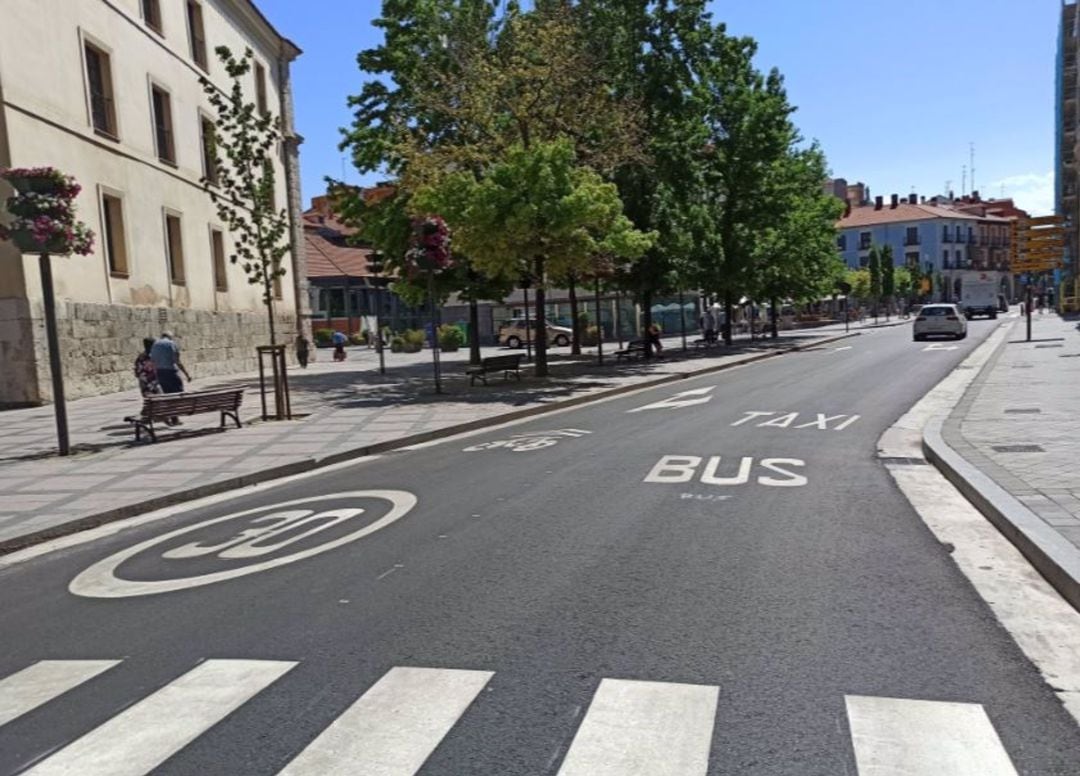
point(1019, 422)
point(342, 407)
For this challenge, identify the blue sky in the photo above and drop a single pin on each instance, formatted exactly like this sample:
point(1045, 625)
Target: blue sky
point(894, 91)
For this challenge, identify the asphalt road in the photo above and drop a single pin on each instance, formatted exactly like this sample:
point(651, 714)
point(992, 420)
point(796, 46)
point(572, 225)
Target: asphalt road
point(760, 622)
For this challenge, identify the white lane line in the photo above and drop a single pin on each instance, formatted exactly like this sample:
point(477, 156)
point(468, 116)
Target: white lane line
point(394, 727)
point(846, 347)
point(699, 396)
point(637, 728)
point(40, 683)
point(140, 738)
point(895, 736)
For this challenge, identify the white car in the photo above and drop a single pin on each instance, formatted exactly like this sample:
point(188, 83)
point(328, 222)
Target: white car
point(943, 319)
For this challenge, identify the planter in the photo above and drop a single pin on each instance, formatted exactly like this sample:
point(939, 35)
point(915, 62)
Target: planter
point(449, 348)
point(25, 242)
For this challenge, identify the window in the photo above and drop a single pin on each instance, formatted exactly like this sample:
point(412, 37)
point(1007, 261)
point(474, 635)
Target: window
point(195, 31)
point(99, 80)
point(175, 246)
point(151, 11)
point(217, 248)
point(911, 236)
point(971, 235)
point(865, 240)
point(945, 233)
point(112, 229)
point(163, 134)
point(945, 259)
point(841, 242)
point(209, 150)
point(260, 89)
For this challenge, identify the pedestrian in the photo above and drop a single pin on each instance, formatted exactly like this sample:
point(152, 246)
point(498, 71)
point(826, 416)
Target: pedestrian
point(302, 351)
point(708, 326)
point(339, 341)
point(1040, 302)
point(145, 372)
point(653, 339)
point(165, 354)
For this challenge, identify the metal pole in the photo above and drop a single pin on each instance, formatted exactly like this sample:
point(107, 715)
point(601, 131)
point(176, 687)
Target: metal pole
point(1028, 294)
point(378, 327)
point(55, 366)
point(682, 320)
point(528, 333)
point(434, 332)
point(618, 317)
point(599, 326)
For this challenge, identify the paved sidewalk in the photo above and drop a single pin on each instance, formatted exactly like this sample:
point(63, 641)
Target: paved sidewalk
point(344, 410)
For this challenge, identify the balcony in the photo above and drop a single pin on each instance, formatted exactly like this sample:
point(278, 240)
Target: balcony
point(912, 240)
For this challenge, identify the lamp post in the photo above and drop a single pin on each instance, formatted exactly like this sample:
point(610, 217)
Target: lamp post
point(525, 283)
point(375, 264)
point(434, 331)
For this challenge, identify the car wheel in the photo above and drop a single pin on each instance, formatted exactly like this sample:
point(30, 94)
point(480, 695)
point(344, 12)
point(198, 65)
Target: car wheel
point(919, 338)
point(562, 340)
point(961, 335)
point(513, 342)
point(993, 316)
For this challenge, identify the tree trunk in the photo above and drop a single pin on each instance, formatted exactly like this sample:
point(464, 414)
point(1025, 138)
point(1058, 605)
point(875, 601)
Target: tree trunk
point(474, 332)
point(575, 335)
point(729, 309)
point(270, 310)
point(775, 310)
point(646, 309)
point(541, 369)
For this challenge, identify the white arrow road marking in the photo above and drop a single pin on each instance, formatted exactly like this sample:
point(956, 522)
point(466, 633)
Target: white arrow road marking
point(678, 400)
point(924, 738)
point(43, 681)
point(638, 728)
point(394, 727)
point(140, 738)
point(939, 346)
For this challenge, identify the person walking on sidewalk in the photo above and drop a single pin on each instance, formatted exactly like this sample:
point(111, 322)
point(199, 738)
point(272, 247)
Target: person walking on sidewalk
point(339, 340)
point(165, 354)
point(145, 372)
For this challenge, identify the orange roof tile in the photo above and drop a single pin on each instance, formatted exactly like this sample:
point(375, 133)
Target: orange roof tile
point(866, 215)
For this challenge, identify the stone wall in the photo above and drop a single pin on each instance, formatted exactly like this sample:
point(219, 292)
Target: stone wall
point(99, 343)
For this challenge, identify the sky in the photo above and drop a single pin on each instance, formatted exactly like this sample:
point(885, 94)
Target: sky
point(895, 92)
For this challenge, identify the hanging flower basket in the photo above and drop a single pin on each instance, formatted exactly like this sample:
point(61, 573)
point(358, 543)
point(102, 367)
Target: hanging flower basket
point(430, 251)
point(41, 180)
point(44, 213)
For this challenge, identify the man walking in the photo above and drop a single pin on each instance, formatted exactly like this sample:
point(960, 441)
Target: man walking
point(165, 354)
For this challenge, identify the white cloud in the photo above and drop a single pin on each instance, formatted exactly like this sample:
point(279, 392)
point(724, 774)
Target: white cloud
point(1031, 191)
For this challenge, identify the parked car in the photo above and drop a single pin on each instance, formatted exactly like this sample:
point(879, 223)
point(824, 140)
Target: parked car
point(512, 333)
point(943, 319)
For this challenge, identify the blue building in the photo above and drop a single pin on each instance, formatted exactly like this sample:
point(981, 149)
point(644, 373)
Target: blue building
point(937, 239)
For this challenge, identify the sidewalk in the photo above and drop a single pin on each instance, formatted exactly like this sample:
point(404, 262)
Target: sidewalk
point(343, 410)
point(1012, 445)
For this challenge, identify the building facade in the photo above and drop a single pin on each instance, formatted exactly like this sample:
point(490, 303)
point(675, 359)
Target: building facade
point(941, 241)
point(1067, 121)
point(108, 91)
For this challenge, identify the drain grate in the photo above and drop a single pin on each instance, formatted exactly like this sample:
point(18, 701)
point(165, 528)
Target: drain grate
point(1022, 366)
point(1017, 449)
point(1022, 412)
point(1069, 355)
point(1049, 346)
point(900, 461)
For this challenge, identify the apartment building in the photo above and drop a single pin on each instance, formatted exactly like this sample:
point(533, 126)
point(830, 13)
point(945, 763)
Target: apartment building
point(108, 91)
point(1067, 93)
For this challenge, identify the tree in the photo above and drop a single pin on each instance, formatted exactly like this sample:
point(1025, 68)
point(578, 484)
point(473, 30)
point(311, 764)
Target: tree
point(875, 277)
point(534, 213)
point(859, 280)
point(242, 186)
point(888, 278)
point(904, 284)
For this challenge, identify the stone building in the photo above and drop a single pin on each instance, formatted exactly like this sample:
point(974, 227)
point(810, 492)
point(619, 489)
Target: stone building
point(108, 91)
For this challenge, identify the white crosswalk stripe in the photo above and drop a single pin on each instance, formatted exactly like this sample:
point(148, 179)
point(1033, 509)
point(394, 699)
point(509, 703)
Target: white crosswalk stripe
point(142, 737)
point(637, 728)
point(394, 727)
point(895, 736)
point(40, 683)
point(631, 727)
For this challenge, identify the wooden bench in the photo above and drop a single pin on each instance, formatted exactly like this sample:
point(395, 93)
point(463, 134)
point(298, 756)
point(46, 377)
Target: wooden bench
point(162, 406)
point(506, 364)
point(633, 349)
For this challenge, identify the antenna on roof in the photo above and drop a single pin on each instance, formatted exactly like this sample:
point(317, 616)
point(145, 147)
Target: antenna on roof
point(343, 168)
point(948, 188)
point(963, 180)
point(971, 147)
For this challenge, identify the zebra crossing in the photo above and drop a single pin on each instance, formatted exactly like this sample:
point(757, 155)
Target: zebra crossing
point(630, 728)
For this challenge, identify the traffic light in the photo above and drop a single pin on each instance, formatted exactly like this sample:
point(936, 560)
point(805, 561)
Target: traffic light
point(375, 263)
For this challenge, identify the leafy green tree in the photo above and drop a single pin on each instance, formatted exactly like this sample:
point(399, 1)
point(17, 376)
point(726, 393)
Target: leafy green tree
point(243, 181)
point(904, 284)
point(859, 280)
point(537, 212)
point(888, 278)
point(875, 277)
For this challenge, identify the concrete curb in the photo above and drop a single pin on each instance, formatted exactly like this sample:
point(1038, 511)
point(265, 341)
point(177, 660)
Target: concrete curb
point(1049, 552)
point(309, 464)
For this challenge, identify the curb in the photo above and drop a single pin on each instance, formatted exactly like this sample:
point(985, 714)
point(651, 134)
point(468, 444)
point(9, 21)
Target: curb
point(310, 464)
point(1049, 552)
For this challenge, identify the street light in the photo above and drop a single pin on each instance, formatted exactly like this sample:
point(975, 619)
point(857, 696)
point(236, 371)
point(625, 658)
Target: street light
point(375, 265)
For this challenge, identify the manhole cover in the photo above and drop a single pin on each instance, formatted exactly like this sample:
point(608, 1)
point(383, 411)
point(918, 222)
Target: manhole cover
point(1049, 346)
point(1017, 449)
point(1022, 412)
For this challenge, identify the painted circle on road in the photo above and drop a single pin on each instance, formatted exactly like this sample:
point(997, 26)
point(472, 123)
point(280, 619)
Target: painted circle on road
point(276, 528)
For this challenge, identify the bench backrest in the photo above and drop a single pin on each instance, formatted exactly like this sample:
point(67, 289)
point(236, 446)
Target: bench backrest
point(502, 362)
point(168, 404)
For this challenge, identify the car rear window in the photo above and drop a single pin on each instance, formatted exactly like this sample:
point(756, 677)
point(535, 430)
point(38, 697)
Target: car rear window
point(929, 311)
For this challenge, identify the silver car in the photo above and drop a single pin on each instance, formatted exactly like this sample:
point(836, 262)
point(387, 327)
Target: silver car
point(939, 319)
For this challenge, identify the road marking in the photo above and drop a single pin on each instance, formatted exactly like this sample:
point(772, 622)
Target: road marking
point(683, 399)
point(394, 727)
point(677, 469)
point(530, 440)
point(785, 420)
point(846, 347)
point(635, 728)
point(142, 737)
point(40, 683)
point(924, 738)
point(939, 346)
point(101, 581)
